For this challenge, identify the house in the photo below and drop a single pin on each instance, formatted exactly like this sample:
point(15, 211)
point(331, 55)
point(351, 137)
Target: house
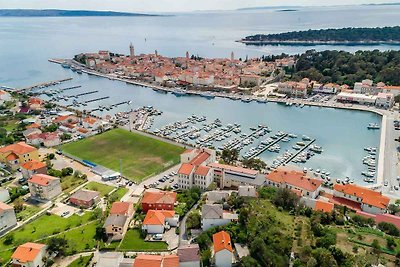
point(32, 167)
point(227, 176)
point(296, 181)
point(4, 96)
point(116, 226)
point(18, 153)
point(84, 198)
point(296, 89)
point(158, 200)
point(247, 191)
point(122, 208)
point(44, 187)
point(367, 200)
point(45, 139)
point(384, 100)
point(356, 98)
point(194, 170)
point(91, 123)
point(156, 221)
point(29, 255)
point(4, 195)
point(35, 103)
point(213, 215)
point(31, 131)
point(189, 255)
point(8, 219)
point(145, 260)
point(222, 248)
point(217, 196)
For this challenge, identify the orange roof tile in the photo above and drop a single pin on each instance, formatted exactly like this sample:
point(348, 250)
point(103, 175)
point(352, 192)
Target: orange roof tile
point(121, 208)
point(157, 217)
point(42, 179)
point(171, 261)
point(202, 170)
point(90, 120)
point(33, 125)
point(12, 156)
point(19, 148)
point(294, 178)
point(368, 196)
point(159, 197)
point(323, 206)
point(185, 169)
point(33, 165)
point(200, 158)
point(145, 260)
point(222, 241)
point(27, 252)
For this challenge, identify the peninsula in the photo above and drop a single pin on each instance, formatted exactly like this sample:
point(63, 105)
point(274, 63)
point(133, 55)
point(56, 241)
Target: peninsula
point(64, 13)
point(349, 36)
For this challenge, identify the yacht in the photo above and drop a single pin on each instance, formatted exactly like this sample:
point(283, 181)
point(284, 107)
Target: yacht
point(373, 126)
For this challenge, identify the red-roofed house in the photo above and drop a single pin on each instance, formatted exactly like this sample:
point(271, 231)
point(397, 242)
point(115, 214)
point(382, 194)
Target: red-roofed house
point(294, 180)
point(194, 170)
point(122, 208)
point(371, 201)
point(156, 221)
point(32, 167)
point(223, 251)
point(158, 200)
point(44, 187)
point(323, 206)
point(145, 260)
point(29, 255)
point(18, 153)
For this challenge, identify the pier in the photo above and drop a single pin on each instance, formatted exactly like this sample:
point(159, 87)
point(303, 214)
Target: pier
point(71, 88)
point(82, 94)
point(259, 152)
point(298, 152)
point(45, 84)
point(96, 99)
point(247, 137)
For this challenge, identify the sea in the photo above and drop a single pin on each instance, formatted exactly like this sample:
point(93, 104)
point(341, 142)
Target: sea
point(27, 43)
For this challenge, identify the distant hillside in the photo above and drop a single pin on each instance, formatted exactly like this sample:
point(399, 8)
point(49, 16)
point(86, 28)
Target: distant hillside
point(268, 7)
point(64, 13)
point(330, 36)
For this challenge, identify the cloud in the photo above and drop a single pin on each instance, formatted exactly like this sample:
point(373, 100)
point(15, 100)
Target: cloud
point(168, 5)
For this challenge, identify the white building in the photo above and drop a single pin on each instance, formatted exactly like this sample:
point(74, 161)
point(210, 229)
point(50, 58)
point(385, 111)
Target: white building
point(156, 221)
point(4, 195)
point(194, 170)
point(384, 100)
point(247, 191)
point(29, 255)
point(329, 88)
point(213, 215)
point(44, 187)
point(4, 96)
point(357, 98)
point(222, 248)
point(7, 217)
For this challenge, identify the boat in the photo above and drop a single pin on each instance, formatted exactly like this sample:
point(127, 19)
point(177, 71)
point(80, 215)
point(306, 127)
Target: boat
point(65, 66)
point(207, 95)
point(316, 148)
point(373, 126)
point(306, 138)
point(300, 144)
point(246, 100)
point(179, 93)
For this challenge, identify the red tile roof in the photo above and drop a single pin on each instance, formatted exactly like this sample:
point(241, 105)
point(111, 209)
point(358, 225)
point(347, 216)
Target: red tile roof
point(42, 179)
point(222, 240)
point(323, 206)
point(121, 208)
point(144, 260)
point(186, 169)
point(27, 252)
point(157, 217)
point(294, 178)
point(367, 196)
point(33, 165)
point(171, 261)
point(200, 158)
point(159, 197)
point(202, 170)
point(19, 148)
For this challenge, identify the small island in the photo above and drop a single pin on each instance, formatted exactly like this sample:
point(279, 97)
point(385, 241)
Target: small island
point(65, 13)
point(346, 36)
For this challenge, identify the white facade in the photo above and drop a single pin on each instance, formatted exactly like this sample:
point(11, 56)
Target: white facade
point(385, 100)
point(7, 219)
point(209, 223)
point(4, 195)
point(356, 98)
point(223, 258)
point(153, 229)
point(45, 192)
point(37, 262)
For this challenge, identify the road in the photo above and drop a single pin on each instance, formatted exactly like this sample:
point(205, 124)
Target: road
point(183, 238)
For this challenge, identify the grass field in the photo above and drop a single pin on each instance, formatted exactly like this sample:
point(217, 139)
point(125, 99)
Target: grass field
point(71, 182)
point(133, 241)
point(118, 194)
point(82, 261)
point(27, 211)
point(103, 189)
point(140, 156)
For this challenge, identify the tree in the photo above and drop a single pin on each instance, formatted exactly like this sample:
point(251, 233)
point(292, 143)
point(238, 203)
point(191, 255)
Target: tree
point(18, 205)
point(376, 247)
point(67, 171)
point(285, 198)
point(8, 240)
point(206, 257)
point(193, 220)
point(248, 261)
point(230, 156)
point(57, 244)
point(389, 228)
point(254, 163)
point(100, 234)
point(65, 136)
point(390, 243)
point(393, 209)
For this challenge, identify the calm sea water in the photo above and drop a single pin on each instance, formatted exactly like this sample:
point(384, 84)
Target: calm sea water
point(27, 43)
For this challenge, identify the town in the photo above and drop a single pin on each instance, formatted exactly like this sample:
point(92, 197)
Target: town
point(79, 189)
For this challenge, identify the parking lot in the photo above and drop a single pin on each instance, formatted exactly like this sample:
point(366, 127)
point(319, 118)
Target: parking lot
point(63, 210)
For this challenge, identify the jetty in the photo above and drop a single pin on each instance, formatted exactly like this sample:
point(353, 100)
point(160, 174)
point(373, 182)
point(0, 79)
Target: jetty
point(257, 131)
point(43, 85)
point(82, 94)
point(96, 99)
point(71, 88)
point(298, 152)
point(260, 151)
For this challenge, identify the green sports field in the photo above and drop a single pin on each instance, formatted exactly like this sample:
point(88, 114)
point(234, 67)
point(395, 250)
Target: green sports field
point(141, 156)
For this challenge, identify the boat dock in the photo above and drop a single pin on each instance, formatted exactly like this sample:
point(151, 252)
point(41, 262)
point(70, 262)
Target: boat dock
point(82, 94)
point(42, 85)
point(298, 152)
point(259, 152)
point(256, 132)
point(71, 88)
point(96, 99)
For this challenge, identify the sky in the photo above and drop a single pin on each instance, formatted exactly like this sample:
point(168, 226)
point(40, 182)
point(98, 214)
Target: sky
point(171, 5)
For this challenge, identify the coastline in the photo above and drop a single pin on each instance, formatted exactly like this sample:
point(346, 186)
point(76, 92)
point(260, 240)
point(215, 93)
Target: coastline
point(317, 42)
point(381, 159)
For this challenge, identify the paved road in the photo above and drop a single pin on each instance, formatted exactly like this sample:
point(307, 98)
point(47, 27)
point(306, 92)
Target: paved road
point(183, 238)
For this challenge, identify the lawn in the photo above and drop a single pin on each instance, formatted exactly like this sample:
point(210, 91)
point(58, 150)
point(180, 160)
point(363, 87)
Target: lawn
point(118, 194)
point(133, 242)
point(71, 182)
point(53, 225)
point(82, 261)
point(103, 189)
point(139, 155)
point(27, 211)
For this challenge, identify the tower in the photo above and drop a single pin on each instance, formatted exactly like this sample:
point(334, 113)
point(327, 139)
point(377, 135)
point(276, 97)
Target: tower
point(232, 56)
point(132, 50)
point(156, 53)
point(187, 54)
